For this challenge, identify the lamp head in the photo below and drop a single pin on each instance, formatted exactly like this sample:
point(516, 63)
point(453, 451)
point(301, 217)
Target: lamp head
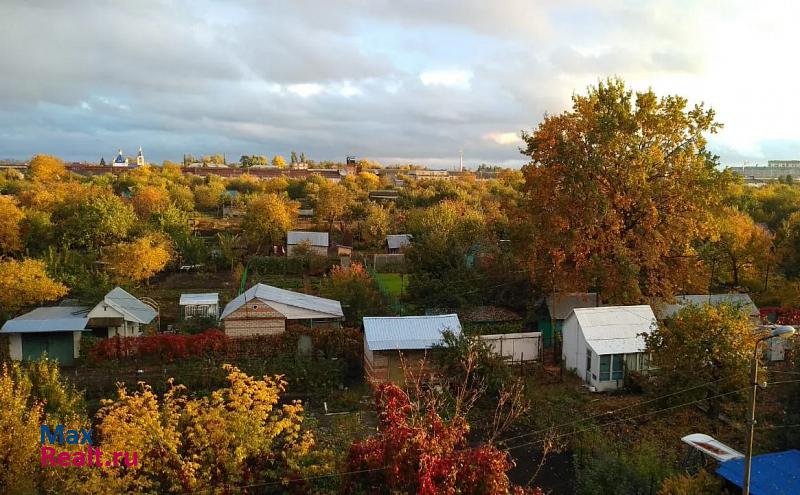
point(783, 331)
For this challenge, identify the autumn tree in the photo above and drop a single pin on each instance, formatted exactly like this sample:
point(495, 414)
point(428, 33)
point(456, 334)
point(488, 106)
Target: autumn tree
point(419, 451)
point(330, 203)
point(10, 219)
point(148, 200)
point(375, 225)
point(139, 259)
point(740, 245)
point(24, 283)
point(267, 220)
point(356, 290)
point(278, 161)
point(621, 188)
point(789, 245)
point(702, 345)
point(208, 196)
point(46, 168)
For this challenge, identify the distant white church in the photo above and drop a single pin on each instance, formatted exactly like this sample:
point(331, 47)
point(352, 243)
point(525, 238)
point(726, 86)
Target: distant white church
point(123, 161)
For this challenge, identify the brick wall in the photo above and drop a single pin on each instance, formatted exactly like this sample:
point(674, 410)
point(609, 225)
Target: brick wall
point(254, 318)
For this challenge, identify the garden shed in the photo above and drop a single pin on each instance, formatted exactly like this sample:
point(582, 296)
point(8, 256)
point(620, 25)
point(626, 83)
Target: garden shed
point(559, 306)
point(396, 242)
point(55, 331)
point(120, 314)
point(199, 305)
point(602, 344)
point(263, 310)
point(390, 340)
point(317, 242)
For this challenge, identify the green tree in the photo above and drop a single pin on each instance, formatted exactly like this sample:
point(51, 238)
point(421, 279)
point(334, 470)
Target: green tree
point(293, 159)
point(623, 186)
point(699, 345)
point(267, 220)
point(357, 292)
point(94, 221)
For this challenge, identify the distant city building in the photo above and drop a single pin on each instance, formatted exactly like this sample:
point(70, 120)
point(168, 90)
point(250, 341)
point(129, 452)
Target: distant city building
point(774, 171)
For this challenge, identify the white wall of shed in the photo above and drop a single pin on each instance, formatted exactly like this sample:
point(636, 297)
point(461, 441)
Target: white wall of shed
point(15, 346)
point(76, 344)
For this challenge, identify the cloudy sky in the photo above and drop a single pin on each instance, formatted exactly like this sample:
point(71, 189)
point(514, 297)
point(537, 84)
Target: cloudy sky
point(397, 81)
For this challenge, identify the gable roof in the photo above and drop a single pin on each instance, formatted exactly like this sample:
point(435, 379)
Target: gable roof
point(49, 319)
point(615, 329)
point(396, 241)
point(208, 298)
point(566, 302)
point(408, 332)
point(742, 301)
point(315, 238)
point(129, 306)
point(287, 297)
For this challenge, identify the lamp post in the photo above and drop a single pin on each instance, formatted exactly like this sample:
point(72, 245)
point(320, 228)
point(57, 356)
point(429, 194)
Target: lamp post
point(783, 331)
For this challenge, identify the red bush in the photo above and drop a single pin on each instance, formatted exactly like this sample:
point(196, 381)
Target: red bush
point(166, 347)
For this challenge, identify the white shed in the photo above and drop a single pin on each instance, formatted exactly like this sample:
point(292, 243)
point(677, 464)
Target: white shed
point(199, 305)
point(600, 344)
point(121, 314)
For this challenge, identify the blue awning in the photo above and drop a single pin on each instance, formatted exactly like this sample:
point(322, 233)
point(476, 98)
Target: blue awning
point(771, 474)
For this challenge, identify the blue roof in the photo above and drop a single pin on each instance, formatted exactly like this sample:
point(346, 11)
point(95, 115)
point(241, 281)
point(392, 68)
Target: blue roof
point(119, 159)
point(777, 473)
point(49, 319)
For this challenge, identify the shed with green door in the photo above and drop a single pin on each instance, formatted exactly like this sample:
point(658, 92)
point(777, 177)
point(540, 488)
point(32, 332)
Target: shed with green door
point(52, 331)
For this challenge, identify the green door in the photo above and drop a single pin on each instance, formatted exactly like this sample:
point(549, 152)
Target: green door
point(57, 345)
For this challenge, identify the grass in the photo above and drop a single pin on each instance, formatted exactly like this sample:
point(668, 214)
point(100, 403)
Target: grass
point(393, 283)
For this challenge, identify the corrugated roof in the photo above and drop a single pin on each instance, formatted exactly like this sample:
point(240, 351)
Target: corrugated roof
point(50, 319)
point(208, 298)
point(128, 305)
point(777, 473)
point(396, 241)
point(315, 238)
point(742, 301)
point(408, 332)
point(567, 302)
point(616, 329)
point(270, 293)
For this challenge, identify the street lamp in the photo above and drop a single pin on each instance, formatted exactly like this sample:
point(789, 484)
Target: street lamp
point(784, 332)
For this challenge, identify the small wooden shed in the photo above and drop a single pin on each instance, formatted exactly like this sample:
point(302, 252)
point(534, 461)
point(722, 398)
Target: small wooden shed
point(199, 305)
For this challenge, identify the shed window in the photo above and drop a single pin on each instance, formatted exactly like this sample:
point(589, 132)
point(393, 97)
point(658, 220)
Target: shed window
point(605, 367)
point(612, 367)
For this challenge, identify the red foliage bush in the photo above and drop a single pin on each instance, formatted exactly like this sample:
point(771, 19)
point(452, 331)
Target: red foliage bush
point(784, 316)
point(422, 453)
point(166, 347)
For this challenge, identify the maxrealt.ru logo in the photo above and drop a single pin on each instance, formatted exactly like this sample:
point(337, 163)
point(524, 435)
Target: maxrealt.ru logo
point(91, 457)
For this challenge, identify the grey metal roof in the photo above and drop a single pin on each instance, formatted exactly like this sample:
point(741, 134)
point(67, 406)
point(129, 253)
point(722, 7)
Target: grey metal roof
point(396, 241)
point(408, 332)
point(565, 303)
point(315, 238)
point(270, 293)
point(616, 329)
point(128, 305)
point(208, 298)
point(50, 319)
point(742, 301)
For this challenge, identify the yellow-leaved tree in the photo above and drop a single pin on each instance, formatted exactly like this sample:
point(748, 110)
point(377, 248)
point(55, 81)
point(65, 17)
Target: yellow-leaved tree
point(237, 436)
point(46, 168)
point(140, 259)
point(268, 218)
point(150, 199)
point(23, 283)
point(10, 217)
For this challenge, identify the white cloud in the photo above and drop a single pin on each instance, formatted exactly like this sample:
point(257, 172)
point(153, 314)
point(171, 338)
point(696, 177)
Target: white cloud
point(503, 138)
point(304, 90)
point(454, 78)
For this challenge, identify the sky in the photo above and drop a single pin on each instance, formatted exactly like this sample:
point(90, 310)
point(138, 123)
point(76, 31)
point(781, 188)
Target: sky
point(394, 81)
